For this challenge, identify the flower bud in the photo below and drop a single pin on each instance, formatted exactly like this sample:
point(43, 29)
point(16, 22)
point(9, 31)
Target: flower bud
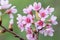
point(35, 31)
point(2, 31)
point(0, 18)
point(10, 27)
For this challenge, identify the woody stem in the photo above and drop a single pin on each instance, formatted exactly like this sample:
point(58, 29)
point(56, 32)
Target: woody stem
point(13, 33)
point(17, 36)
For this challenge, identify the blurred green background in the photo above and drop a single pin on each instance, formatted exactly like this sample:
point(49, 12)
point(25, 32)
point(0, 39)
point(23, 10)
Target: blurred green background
point(20, 4)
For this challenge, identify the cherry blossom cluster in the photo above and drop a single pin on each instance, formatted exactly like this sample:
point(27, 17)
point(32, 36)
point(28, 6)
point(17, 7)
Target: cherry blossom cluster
point(37, 20)
point(7, 8)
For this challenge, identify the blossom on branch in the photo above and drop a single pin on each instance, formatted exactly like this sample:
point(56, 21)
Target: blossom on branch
point(36, 6)
point(38, 18)
point(4, 4)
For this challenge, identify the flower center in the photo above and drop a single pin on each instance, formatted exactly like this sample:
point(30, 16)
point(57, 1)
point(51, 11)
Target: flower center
point(43, 14)
point(40, 23)
point(8, 11)
point(28, 20)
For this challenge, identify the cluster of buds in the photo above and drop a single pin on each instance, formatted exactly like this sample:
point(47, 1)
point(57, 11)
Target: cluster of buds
point(7, 8)
point(37, 20)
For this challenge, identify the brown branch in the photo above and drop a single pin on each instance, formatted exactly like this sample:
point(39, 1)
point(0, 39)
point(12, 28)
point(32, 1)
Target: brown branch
point(17, 36)
point(38, 33)
point(13, 33)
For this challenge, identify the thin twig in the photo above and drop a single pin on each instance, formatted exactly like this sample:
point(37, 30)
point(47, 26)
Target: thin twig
point(13, 33)
point(38, 33)
point(17, 36)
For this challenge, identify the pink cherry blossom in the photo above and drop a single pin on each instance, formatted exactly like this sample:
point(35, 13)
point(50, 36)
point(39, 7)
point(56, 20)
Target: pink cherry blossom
point(50, 9)
point(11, 11)
point(29, 30)
point(5, 4)
point(53, 20)
point(30, 35)
point(20, 24)
point(2, 2)
point(43, 14)
point(24, 21)
point(48, 26)
point(28, 19)
point(36, 6)
point(39, 24)
point(19, 18)
point(28, 10)
point(48, 32)
point(41, 31)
